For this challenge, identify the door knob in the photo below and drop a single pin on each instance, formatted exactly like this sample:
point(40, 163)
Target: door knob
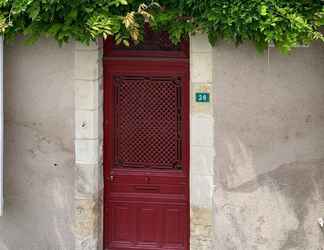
point(111, 178)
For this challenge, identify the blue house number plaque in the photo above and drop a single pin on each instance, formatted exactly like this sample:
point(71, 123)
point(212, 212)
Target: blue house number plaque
point(202, 97)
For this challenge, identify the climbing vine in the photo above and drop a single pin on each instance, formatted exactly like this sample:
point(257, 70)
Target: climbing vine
point(285, 23)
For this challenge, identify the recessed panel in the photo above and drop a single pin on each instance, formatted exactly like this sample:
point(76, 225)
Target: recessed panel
point(174, 226)
point(148, 225)
point(121, 223)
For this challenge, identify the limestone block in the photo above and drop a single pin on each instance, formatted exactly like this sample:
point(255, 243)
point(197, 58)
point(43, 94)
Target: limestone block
point(91, 46)
point(201, 160)
point(89, 243)
point(86, 65)
point(87, 151)
point(201, 67)
point(201, 228)
point(100, 97)
point(101, 177)
point(201, 107)
point(87, 94)
point(100, 64)
point(101, 221)
point(100, 123)
point(202, 130)
point(86, 124)
point(201, 191)
point(87, 180)
point(100, 152)
point(201, 216)
point(200, 244)
point(86, 218)
point(200, 43)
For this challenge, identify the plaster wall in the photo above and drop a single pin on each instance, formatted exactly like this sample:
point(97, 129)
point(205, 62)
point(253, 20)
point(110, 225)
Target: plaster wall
point(257, 149)
point(38, 169)
point(269, 144)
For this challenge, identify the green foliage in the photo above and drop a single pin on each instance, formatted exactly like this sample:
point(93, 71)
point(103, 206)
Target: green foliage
point(285, 23)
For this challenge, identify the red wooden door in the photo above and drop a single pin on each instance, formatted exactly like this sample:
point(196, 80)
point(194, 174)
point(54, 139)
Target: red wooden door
point(146, 147)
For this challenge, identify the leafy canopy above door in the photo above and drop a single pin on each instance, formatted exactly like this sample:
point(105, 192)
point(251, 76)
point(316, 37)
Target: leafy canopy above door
point(285, 23)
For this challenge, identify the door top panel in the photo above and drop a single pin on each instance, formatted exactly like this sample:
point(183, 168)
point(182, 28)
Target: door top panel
point(154, 44)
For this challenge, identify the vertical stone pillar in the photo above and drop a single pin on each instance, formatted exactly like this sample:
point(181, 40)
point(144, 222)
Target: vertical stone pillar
point(88, 146)
point(201, 145)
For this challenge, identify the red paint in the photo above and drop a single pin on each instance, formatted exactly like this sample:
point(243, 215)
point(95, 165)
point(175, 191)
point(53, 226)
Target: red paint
point(146, 149)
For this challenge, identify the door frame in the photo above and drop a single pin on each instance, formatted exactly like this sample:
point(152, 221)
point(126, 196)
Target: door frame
point(127, 62)
point(88, 129)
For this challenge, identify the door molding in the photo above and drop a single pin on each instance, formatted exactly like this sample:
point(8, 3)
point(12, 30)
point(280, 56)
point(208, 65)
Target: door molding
point(88, 190)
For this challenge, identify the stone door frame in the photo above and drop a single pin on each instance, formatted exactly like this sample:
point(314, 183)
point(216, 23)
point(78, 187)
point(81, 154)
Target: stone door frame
point(88, 191)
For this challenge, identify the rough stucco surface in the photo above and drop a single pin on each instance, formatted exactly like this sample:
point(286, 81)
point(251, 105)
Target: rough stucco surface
point(268, 116)
point(269, 143)
point(38, 174)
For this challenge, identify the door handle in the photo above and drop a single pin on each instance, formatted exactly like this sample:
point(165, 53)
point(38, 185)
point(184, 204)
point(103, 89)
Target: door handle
point(112, 178)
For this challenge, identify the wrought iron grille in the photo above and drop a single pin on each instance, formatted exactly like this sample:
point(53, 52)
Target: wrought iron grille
point(147, 122)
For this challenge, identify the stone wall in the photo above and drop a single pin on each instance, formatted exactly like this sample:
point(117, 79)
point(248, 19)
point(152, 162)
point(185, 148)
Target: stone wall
point(269, 144)
point(38, 167)
point(257, 149)
point(201, 145)
point(88, 204)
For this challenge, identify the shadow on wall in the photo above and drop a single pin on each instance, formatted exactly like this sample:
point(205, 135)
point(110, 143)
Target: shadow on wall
point(269, 136)
point(274, 210)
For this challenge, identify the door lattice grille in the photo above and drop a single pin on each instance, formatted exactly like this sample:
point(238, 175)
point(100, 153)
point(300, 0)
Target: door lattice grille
point(147, 122)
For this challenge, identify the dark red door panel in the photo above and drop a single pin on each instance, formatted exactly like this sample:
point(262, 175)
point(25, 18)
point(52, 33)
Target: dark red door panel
point(121, 216)
point(146, 154)
point(147, 226)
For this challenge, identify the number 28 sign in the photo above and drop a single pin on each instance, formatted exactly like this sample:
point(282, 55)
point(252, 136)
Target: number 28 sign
point(202, 97)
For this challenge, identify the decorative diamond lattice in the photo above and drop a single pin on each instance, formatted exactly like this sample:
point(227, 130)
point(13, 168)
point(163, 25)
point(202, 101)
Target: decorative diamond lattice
point(147, 122)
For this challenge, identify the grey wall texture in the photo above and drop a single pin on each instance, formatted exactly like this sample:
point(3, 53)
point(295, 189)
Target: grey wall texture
point(269, 145)
point(38, 169)
point(269, 137)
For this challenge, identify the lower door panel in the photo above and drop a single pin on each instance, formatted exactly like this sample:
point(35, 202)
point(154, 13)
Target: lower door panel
point(146, 226)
